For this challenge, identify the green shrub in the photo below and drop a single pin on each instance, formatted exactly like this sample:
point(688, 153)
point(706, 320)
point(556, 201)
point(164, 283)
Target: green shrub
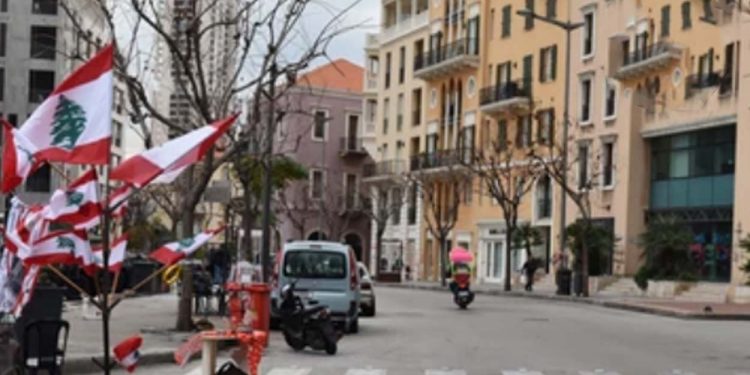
point(641, 277)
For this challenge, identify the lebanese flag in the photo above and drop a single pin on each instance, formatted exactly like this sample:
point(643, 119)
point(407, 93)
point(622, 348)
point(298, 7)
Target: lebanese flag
point(66, 247)
point(126, 352)
point(30, 277)
point(25, 226)
point(74, 123)
point(118, 200)
point(116, 256)
point(77, 205)
point(18, 158)
point(162, 164)
point(173, 252)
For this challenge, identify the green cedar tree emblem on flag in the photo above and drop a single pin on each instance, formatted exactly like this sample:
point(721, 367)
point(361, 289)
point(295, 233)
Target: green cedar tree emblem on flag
point(66, 243)
point(185, 243)
point(73, 198)
point(68, 123)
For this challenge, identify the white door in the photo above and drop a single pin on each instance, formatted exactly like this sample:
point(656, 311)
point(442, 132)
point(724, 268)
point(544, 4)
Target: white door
point(494, 265)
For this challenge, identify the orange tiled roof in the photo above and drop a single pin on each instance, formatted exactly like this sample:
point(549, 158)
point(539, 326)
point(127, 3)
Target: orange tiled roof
point(341, 74)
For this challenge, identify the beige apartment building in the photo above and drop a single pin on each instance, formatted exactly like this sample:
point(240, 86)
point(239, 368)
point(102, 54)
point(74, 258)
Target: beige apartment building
point(655, 88)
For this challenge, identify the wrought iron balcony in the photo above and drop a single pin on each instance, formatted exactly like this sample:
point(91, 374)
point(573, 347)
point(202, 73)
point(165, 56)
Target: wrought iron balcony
point(698, 82)
point(647, 59)
point(383, 169)
point(352, 146)
point(507, 96)
point(437, 159)
point(447, 59)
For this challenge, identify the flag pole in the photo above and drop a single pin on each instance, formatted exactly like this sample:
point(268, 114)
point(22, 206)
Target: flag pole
point(72, 284)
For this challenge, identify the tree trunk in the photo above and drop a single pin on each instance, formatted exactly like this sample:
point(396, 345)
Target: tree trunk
point(378, 249)
point(184, 312)
point(508, 244)
point(443, 259)
point(247, 225)
point(585, 262)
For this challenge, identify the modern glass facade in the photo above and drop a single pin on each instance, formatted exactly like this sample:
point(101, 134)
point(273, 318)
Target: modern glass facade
point(692, 178)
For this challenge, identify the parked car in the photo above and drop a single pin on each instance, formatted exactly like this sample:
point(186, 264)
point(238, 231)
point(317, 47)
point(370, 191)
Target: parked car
point(323, 271)
point(367, 292)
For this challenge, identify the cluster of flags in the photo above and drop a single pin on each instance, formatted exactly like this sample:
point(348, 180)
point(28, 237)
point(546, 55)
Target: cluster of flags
point(73, 125)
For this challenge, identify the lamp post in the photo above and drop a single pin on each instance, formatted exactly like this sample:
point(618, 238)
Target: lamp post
point(568, 27)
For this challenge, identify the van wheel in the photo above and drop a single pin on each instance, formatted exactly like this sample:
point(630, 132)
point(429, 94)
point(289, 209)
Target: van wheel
point(354, 325)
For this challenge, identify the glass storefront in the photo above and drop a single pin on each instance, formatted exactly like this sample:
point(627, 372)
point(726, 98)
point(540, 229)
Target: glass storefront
point(692, 178)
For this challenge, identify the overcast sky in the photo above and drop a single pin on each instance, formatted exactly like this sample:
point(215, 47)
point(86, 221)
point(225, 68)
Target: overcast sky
point(351, 45)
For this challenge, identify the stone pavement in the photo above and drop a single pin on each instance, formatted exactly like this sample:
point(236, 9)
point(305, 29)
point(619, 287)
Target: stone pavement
point(672, 308)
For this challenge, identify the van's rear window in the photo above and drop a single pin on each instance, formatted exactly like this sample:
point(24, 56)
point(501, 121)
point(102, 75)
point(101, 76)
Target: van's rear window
point(315, 265)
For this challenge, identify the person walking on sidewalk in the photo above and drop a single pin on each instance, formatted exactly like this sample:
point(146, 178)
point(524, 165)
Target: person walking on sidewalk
point(528, 270)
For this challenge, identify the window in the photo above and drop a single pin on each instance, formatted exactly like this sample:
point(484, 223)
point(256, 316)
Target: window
point(528, 65)
point(468, 192)
point(686, 21)
point(545, 131)
point(317, 183)
point(117, 133)
point(502, 134)
point(351, 191)
point(491, 24)
point(610, 100)
point(3, 38)
point(2, 84)
point(316, 264)
point(665, 20)
point(118, 99)
point(583, 166)
point(401, 65)
point(529, 19)
point(552, 9)
point(523, 133)
point(41, 84)
point(396, 206)
point(387, 70)
point(372, 110)
point(708, 11)
point(43, 42)
point(400, 112)
point(548, 64)
point(412, 214)
point(386, 109)
point(3, 6)
point(544, 198)
point(607, 164)
point(39, 181)
point(44, 7)
point(319, 125)
point(416, 104)
point(506, 21)
point(585, 115)
point(588, 34)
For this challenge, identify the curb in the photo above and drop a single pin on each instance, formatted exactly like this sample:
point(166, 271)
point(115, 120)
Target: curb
point(633, 307)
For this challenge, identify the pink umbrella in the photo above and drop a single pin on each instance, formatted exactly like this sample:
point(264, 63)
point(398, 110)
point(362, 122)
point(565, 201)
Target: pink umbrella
point(460, 255)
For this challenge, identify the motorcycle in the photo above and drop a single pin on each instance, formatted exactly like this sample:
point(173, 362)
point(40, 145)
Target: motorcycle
point(306, 325)
point(462, 295)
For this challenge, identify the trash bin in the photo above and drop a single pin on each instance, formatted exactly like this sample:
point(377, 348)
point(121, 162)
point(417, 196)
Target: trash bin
point(46, 303)
point(578, 284)
point(563, 278)
point(140, 270)
point(260, 303)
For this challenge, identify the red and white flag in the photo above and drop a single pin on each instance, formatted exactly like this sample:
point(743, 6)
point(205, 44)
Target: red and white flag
point(77, 205)
point(116, 256)
point(162, 164)
point(173, 252)
point(25, 225)
point(126, 352)
point(118, 200)
point(74, 123)
point(30, 277)
point(18, 158)
point(67, 247)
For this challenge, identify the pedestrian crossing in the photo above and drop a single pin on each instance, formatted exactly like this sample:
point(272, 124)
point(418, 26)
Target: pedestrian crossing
point(519, 371)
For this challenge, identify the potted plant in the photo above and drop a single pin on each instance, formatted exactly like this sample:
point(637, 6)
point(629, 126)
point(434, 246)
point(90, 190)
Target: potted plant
point(597, 240)
point(666, 244)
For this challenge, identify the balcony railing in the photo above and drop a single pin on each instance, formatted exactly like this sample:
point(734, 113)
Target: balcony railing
point(504, 97)
point(437, 159)
point(455, 17)
point(404, 26)
point(649, 58)
point(383, 168)
point(352, 146)
point(699, 82)
point(372, 83)
point(455, 51)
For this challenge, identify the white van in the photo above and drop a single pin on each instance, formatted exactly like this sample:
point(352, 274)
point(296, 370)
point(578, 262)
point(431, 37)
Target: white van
point(325, 272)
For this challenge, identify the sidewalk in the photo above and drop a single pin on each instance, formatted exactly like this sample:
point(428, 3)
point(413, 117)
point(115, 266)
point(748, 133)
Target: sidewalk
point(151, 316)
point(670, 308)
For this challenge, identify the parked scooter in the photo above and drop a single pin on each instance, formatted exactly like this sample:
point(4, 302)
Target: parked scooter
point(306, 325)
point(462, 295)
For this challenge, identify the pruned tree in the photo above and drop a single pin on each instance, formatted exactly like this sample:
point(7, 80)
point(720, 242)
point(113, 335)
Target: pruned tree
point(265, 45)
point(381, 204)
point(509, 173)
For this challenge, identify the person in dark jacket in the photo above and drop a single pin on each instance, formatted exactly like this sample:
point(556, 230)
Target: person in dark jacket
point(529, 269)
point(218, 262)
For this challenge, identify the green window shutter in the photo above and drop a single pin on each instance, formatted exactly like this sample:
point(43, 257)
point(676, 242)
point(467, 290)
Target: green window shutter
point(529, 23)
point(542, 62)
point(506, 21)
point(665, 10)
point(551, 8)
point(554, 62)
point(686, 21)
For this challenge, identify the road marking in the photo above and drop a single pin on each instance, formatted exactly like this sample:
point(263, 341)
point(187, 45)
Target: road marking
point(289, 371)
point(367, 371)
point(521, 371)
point(444, 372)
point(599, 372)
point(678, 372)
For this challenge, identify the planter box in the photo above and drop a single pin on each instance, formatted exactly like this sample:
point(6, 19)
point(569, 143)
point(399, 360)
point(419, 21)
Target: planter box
point(666, 289)
point(598, 283)
point(741, 294)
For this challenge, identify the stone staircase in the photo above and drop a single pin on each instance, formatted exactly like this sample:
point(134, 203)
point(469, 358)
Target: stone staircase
point(546, 283)
point(623, 287)
point(705, 292)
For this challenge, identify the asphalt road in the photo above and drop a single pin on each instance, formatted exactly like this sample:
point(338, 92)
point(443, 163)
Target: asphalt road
point(422, 332)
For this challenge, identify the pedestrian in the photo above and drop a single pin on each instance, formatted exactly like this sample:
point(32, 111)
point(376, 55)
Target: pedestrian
point(528, 270)
point(218, 263)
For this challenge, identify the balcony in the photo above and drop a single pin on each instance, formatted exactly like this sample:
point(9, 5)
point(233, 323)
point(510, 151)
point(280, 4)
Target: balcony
point(447, 60)
point(352, 147)
point(455, 17)
point(509, 96)
point(699, 82)
point(405, 26)
point(647, 60)
point(383, 169)
point(435, 160)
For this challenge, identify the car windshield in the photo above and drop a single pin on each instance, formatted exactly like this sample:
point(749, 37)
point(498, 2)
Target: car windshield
point(315, 265)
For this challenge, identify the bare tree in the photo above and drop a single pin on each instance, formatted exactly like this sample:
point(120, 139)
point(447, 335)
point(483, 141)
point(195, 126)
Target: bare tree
point(381, 203)
point(268, 47)
point(509, 173)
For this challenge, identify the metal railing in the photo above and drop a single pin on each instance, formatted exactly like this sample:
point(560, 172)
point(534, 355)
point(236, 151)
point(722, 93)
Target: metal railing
point(698, 82)
point(351, 144)
point(461, 47)
point(645, 53)
point(505, 91)
point(383, 168)
point(437, 159)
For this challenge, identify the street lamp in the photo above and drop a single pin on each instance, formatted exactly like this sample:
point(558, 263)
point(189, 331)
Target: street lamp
point(568, 27)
